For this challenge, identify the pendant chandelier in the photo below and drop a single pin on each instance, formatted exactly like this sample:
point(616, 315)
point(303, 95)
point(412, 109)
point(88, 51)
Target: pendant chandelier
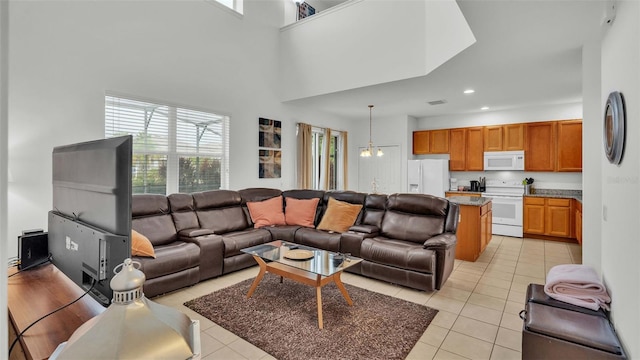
point(369, 150)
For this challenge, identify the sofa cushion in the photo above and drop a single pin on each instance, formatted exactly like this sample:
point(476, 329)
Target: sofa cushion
point(305, 194)
point(301, 211)
point(339, 216)
point(222, 221)
point(374, 209)
point(398, 253)
point(220, 211)
point(149, 204)
point(267, 212)
point(318, 239)
point(183, 211)
point(414, 217)
point(140, 245)
point(159, 229)
point(236, 241)
point(185, 220)
point(170, 259)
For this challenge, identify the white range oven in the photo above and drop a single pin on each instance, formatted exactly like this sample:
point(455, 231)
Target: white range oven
point(506, 198)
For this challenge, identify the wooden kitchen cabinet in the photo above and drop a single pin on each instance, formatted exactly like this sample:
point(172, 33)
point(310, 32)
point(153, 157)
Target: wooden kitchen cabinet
point(548, 216)
point(493, 138)
point(504, 137)
point(474, 153)
point(420, 142)
point(474, 231)
point(540, 146)
point(458, 149)
point(533, 213)
point(513, 137)
point(465, 149)
point(486, 219)
point(558, 217)
point(569, 145)
point(439, 141)
point(431, 142)
point(578, 220)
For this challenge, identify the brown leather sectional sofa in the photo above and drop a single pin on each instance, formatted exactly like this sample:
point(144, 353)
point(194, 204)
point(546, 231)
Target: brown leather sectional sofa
point(406, 239)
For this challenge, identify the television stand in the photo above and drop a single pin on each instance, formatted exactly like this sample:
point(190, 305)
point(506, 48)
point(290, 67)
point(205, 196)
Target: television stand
point(36, 292)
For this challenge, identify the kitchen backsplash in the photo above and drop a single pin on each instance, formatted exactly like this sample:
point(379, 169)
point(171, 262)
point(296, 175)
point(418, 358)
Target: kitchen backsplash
point(542, 180)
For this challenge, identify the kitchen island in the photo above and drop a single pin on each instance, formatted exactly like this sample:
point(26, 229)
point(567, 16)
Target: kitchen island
point(474, 227)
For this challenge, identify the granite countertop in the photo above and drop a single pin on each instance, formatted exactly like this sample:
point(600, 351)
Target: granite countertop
point(470, 200)
point(557, 193)
point(463, 192)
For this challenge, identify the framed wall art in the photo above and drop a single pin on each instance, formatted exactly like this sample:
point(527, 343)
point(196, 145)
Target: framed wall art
point(269, 145)
point(614, 128)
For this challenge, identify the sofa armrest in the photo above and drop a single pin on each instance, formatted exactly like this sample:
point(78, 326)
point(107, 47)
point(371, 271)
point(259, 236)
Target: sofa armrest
point(444, 245)
point(211, 254)
point(351, 241)
point(194, 232)
point(365, 229)
point(442, 241)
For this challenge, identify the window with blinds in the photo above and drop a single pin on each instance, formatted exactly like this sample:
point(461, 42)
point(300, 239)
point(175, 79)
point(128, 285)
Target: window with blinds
point(175, 149)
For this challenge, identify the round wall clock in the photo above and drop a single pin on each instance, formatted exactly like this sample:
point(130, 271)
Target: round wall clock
point(613, 136)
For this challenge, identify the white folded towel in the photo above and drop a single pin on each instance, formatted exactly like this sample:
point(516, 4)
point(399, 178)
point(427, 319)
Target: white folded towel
point(578, 285)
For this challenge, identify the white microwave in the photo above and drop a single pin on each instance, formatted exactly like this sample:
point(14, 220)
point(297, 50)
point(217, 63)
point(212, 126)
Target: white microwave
point(504, 160)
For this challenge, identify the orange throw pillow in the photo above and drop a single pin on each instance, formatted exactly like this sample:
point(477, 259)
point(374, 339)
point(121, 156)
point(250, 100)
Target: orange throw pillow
point(339, 216)
point(141, 246)
point(267, 212)
point(300, 211)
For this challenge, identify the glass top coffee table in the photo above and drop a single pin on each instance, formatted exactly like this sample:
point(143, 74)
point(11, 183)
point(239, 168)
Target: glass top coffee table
point(304, 264)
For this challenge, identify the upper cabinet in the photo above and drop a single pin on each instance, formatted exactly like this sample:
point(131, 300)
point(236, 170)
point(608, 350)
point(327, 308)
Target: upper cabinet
point(464, 154)
point(475, 157)
point(513, 137)
point(458, 149)
point(493, 138)
point(569, 145)
point(548, 145)
point(553, 146)
point(540, 147)
point(504, 137)
point(420, 142)
point(431, 142)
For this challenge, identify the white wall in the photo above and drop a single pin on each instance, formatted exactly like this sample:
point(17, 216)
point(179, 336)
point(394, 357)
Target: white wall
point(592, 150)
point(4, 73)
point(357, 45)
point(620, 194)
point(193, 53)
point(388, 132)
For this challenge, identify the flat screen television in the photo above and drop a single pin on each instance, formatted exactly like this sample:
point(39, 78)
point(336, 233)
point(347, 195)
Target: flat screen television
point(90, 223)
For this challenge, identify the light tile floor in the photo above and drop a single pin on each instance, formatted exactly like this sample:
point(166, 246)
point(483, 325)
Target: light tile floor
point(479, 304)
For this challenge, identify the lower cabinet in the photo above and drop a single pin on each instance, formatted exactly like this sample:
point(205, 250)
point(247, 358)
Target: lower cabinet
point(486, 218)
point(548, 216)
point(474, 231)
point(578, 229)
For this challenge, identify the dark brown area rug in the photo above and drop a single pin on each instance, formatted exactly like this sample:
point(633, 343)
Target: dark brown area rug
point(281, 319)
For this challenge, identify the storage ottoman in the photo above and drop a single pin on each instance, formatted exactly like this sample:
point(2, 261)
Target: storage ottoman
point(565, 331)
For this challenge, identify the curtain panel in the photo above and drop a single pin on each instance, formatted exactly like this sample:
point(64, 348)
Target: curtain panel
point(304, 160)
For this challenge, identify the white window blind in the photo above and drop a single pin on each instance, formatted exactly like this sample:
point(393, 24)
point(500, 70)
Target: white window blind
point(175, 149)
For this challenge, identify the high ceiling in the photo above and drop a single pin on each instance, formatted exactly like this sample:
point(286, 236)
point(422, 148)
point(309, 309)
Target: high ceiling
point(528, 53)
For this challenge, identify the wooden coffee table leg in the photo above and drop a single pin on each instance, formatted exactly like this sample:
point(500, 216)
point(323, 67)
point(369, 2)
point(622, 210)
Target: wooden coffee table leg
point(319, 300)
point(343, 290)
point(263, 270)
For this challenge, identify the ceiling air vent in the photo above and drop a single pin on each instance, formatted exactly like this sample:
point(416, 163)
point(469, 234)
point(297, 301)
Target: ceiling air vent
point(437, 102)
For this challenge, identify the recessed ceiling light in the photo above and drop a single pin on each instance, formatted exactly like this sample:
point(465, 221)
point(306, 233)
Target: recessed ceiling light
point(469, 91)
point(484, 108)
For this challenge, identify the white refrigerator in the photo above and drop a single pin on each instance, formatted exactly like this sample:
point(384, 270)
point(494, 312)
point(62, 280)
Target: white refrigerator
point(428, 176)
